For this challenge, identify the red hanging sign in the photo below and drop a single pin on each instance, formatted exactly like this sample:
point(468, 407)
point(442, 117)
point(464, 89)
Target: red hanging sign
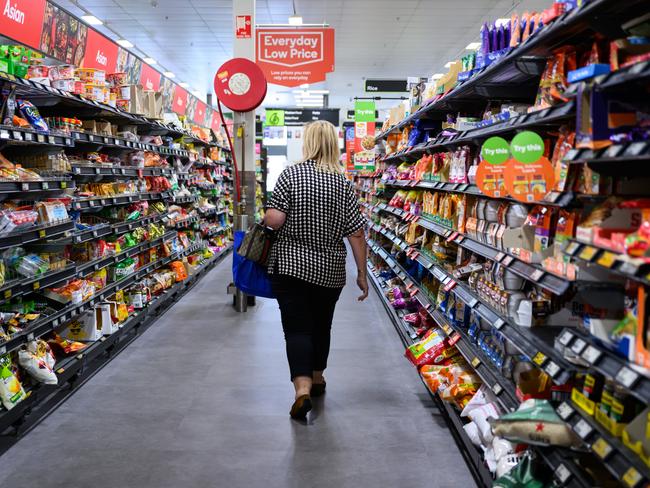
point(22, 21)
point(215, 125)
point(199, 112)
point(294, 57)
point(150, 78)
point(181, 97)
point(243, 27)
point(101, 52)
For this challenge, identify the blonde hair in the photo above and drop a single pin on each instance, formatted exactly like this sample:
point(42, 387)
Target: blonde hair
point(321, 144)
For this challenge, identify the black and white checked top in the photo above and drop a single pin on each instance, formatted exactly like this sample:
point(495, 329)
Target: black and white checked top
point(322, 208)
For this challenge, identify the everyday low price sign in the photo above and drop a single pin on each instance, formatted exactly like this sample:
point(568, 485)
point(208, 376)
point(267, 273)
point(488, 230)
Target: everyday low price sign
point(294, 57)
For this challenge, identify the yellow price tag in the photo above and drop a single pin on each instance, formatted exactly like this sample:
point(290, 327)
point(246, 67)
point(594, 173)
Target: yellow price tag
point(607, 259)
point(36, 285)
point(588, 253)
point(7, 294)
point(476, 362)
point(240, 132)
point(602, 448)
point(64, 185)
point(41, 233)
point(632, 477)
point(60, 370)
point(539, 359)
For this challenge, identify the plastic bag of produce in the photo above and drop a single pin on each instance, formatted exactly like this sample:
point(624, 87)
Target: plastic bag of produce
point(11, 391)
point(38, 361)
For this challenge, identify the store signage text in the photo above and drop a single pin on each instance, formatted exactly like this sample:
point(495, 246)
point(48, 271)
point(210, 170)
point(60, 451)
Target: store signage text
point(395, 86)
point(101, 52)
point(293, 57)
point(243, 27)
point(22, 21)
point(14, 13)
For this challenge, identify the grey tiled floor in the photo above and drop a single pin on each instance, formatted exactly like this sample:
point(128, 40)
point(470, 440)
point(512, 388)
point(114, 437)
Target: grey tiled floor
point(202, 400)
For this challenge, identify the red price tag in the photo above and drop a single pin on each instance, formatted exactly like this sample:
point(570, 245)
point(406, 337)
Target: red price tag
point(450, 286)
point(414, 292)
point(415, 254)
point(452, 236)
point(409, 286)
point(427, 306)
point(454, 338)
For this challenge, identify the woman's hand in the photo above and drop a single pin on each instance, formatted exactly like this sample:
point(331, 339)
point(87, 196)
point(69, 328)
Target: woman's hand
point(362, 283)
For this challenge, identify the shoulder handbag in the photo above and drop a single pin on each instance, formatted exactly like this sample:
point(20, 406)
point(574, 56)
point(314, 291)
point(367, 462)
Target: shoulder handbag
point(256, 244)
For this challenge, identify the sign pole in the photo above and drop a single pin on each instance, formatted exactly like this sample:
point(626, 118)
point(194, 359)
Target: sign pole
point(244, 128)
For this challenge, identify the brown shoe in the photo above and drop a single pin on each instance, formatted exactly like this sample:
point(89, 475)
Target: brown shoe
point(318, 389)
point(301, 407)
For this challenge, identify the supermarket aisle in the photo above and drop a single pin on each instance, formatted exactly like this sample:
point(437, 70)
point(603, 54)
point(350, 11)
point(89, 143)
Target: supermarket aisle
point(202, 399)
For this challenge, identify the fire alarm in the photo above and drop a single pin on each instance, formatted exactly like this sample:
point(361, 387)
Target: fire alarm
point(240, 85)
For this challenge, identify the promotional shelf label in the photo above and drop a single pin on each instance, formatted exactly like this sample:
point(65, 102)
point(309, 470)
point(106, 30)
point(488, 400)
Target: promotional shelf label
point(495, 150)
point(150, 78)
point(527, 147)
point(529, 182)
point(490, 178)
point(295, 57)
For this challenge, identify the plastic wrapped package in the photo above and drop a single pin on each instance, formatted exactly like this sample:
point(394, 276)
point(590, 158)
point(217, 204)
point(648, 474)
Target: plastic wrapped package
point(38, 361)
point(11, 391)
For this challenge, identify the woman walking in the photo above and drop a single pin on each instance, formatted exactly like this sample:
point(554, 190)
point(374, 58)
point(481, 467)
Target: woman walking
point(313, 209)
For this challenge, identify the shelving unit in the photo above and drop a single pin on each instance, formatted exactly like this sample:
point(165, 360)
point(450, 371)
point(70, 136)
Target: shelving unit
point(420, 246)
point(99, 213)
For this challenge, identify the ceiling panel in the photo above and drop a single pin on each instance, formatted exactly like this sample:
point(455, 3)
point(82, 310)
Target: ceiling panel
point(374, 38)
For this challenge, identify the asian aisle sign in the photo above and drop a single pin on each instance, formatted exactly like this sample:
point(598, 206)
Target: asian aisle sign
point(44, 26)
point(295, 57)
point(364, 128)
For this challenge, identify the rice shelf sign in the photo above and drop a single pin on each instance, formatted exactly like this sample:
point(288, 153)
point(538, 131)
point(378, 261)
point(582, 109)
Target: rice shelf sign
point(292, 57)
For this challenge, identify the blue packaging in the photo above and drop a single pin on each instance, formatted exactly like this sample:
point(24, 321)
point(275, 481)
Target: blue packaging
point(588, 72)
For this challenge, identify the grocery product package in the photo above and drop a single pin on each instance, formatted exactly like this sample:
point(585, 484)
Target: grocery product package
point(535, 422)
point(432, 349)
point(11, 391)
point(38, 361)
point(83, 328)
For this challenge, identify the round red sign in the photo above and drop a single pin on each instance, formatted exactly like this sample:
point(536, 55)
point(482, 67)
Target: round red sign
point(240, 85)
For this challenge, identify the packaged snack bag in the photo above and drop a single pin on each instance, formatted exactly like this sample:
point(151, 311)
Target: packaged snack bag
point(38, 361)
point(11, 391)
point(535, 422)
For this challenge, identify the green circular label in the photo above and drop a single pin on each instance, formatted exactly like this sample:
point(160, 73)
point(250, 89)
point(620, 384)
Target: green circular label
point(527, 147)
point(495, 150)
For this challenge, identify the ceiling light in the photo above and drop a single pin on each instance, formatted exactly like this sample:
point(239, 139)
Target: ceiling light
point(473, 46)
point(437, 76)
point(502, 21)
point(91, 20)
point(184, 85)
point(295, 20)
point(304, 85)
point(124, 43)
point(449, 63)
point(169, 74)
point(150, 61)
point(196, 93)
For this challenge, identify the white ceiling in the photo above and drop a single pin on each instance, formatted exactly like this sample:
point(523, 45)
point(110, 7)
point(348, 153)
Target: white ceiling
point(374, 38)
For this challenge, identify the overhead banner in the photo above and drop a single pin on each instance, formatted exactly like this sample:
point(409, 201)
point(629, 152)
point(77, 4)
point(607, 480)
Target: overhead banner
point(180, 102)
point(22, 21)
point(43, 25)
point(295, 57)
point(150, 78)
point(386, 86)
point(64, 36)
point(101, 52)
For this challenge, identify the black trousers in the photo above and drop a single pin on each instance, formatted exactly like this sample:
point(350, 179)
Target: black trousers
point(307, 311)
